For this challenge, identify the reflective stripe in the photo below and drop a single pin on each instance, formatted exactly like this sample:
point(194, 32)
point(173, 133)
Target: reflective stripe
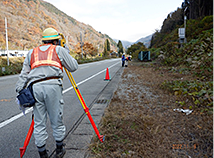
point(45, 58)
point(50, 36)
point(36, 55)
point(46, 63)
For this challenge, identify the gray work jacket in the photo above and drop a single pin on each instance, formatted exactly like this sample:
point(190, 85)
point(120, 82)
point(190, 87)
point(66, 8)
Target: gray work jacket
point(27, 75)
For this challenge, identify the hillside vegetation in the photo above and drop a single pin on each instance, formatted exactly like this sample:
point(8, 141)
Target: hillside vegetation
point(28, 18)
point(194, 58)
point(164, 108)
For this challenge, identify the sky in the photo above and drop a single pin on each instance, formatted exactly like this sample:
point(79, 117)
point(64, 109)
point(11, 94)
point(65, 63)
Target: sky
point(127, 20)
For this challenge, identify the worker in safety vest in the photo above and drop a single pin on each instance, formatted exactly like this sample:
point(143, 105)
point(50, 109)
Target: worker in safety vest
point(45, 63)
point(123, 59)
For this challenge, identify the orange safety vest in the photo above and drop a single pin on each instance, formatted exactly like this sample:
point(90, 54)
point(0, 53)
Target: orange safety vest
point(45, 58)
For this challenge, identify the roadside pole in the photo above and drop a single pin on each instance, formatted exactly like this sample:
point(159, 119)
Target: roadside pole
point(7, 42)
point(81, 43)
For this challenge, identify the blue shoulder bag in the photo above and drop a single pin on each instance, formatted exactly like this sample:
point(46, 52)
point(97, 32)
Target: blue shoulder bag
point(26, 97)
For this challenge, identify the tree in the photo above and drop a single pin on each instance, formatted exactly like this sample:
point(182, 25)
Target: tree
point(88, 49)
point(106, 51)
point(198, 8)
point(172, 21)
point(120, 48)
point(197, 11)
point(136, 48)
point(108, 45)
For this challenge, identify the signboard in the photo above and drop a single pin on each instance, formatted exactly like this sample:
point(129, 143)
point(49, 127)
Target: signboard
point(181, 33)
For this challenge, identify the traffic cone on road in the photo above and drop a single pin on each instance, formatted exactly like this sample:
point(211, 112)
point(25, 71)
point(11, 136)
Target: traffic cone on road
point(107, 77)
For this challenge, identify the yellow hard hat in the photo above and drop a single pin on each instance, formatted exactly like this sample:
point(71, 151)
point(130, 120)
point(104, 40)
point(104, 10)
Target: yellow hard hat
point(50, 34)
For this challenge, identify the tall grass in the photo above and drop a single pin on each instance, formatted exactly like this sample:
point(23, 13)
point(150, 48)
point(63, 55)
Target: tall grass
point(14, 67)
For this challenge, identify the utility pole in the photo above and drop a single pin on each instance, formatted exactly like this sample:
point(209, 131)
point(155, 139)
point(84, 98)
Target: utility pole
point(7, 42)
point(81, 43)
point(185, 18)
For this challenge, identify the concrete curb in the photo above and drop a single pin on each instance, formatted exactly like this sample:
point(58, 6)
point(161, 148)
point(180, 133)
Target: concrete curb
point(77, 141)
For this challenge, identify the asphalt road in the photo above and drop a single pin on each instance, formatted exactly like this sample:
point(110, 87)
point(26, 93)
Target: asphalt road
point(14, 125)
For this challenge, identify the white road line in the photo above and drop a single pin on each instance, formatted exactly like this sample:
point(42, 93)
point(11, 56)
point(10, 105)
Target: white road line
point(2, 124)
point(83, 67)
point(14, 118)
point(88, 78)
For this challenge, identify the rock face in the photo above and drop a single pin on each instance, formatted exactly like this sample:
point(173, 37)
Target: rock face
point(26, 19)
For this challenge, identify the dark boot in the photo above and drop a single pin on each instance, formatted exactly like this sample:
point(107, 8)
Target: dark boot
point(43, 154)
point(60, 150)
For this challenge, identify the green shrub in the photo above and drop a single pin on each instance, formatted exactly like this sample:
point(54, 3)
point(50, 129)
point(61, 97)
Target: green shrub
point(207, 20)
point(15, 66)
point(199, 93)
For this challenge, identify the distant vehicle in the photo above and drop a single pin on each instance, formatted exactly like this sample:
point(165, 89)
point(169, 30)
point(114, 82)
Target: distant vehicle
point(14, 53)
point(3, 55)
point(10, 55)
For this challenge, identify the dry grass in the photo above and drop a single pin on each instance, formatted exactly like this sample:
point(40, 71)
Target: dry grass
point(14, 67)
point(140, 121)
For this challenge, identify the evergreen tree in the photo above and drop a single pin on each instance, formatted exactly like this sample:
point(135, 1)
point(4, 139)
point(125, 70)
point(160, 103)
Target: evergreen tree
point(108, 45)
point(106, 48)
point(120, 48)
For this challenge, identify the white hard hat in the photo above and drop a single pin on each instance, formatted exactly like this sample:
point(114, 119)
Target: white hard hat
point(50, 34)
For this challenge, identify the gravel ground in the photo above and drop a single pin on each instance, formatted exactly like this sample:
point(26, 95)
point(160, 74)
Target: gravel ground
point(141, 121)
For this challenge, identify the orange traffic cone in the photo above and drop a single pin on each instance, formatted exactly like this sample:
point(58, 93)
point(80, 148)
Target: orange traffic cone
point(107, 77)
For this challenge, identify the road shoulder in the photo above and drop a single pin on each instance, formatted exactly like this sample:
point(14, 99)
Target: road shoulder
point(78, 140)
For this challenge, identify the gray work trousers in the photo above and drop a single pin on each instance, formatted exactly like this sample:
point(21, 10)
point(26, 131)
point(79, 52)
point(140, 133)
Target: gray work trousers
point(49, 102)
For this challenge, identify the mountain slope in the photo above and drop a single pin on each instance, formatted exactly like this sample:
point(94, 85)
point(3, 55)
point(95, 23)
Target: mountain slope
point(145, 40)
point(126, 44)
point(28, 18)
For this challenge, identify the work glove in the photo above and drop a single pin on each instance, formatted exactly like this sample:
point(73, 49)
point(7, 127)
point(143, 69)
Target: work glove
point(17, 101)
point(20, 106)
